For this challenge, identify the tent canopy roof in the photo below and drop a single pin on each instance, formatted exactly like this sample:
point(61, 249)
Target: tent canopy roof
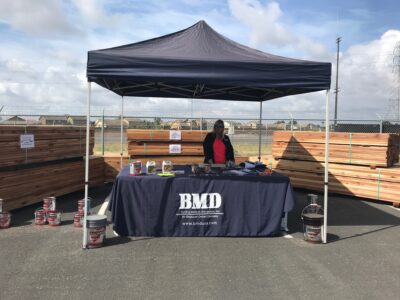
point(198, 62)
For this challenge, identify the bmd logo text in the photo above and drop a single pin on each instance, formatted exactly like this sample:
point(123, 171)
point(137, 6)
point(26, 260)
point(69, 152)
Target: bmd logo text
point(200, 201)
point(200, 209)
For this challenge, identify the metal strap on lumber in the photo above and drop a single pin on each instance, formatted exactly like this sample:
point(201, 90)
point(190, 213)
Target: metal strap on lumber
point(350, 145)
point(151, 135)
point(378, 192)
point(145, 148)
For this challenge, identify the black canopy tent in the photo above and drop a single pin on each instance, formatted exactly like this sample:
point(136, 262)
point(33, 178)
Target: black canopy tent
point(200, 63)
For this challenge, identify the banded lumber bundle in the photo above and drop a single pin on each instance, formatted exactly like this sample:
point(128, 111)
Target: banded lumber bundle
point(51, 143)
point(113, 164)
point(163, 135)
point(159, 148)
point(341, 138)
point(26, 186)
point(144, 142)
point(360, 181)
point(350, 148)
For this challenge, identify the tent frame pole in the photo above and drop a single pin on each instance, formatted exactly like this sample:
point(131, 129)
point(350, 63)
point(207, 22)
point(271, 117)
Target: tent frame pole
point(122, 131)
point(325, 231)
point(259, 133)
point(84, 241)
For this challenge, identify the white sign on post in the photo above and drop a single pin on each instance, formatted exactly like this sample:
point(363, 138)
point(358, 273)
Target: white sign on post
point(175, 149)
point(27, 141)
point(175, 135)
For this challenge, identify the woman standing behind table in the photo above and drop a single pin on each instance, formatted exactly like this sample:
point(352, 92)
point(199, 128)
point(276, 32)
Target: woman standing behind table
point(217, 146)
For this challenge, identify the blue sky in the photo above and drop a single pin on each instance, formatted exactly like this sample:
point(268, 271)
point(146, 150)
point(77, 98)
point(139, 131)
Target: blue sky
point(45, 43)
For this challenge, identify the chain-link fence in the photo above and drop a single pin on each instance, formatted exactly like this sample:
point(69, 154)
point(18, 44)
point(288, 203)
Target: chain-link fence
point(244, 133)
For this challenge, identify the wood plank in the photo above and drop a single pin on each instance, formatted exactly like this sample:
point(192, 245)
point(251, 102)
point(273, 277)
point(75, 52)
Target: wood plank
point(163, 135)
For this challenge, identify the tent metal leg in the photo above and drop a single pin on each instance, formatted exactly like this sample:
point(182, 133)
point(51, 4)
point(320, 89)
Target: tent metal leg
point(325, 231)
point(84, 242)
point(259, 133)
point(122, 130)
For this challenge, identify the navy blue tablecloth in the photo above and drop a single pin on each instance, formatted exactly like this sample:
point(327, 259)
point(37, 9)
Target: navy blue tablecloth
point(199, 205)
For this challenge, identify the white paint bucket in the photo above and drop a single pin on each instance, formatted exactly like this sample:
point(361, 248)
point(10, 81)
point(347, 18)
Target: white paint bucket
point(96, 230)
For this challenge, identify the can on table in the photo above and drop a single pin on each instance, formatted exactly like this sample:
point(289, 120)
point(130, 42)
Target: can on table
point(5, 220)
point(40, 216)
point(96, 230)
point(54, 217)
point(135, 168)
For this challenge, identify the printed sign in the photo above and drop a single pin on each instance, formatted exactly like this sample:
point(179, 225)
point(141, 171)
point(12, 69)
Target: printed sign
point(200, 209)
point(175, 135)
point(175, 149)
point(27, 141)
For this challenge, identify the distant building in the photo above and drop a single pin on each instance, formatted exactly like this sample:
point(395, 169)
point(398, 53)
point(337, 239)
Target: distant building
point(111, 123)
point(136, 123)
point(53, 120)
point(15, 120)
point(76, 120)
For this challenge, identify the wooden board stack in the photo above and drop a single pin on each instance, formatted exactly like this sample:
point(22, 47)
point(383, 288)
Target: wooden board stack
point(27, 186)
point(54, 167)
point(357, 177)
point(370, 149)
point(51, 143)
point(155, 144)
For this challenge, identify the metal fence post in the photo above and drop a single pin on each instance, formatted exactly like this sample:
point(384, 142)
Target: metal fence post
point(102, 134)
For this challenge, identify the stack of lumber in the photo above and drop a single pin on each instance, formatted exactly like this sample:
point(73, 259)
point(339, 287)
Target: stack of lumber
point(25, 186)
point(154, 144)
point(355, 174)
point(360, 181)
point(113, 163)
point(51, 143)
point(370, 149)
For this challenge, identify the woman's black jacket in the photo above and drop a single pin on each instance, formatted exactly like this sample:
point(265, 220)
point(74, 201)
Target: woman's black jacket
point(208, 147)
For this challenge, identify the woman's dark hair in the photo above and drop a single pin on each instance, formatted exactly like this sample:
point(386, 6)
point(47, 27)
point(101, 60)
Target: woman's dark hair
point(218, 124)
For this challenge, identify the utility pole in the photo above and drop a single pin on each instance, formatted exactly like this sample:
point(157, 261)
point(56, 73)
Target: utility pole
point(338, 40)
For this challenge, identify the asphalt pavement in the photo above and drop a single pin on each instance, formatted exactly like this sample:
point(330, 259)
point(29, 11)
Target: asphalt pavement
point(361, 260)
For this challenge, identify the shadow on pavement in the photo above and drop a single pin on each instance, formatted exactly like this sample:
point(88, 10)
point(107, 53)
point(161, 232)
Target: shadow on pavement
point(345, 211)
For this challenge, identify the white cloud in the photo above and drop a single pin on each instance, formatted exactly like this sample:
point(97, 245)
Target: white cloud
point(268, 29)
point(366, 80)
point(39, 17)
point(93, 12)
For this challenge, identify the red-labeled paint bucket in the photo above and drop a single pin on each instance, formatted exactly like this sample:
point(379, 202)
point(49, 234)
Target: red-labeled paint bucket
point(78, 220)
point(96, 230)
point(5, 220)
point(81, 206)
point(40, 217)
point(54, 217)
point(49, 203)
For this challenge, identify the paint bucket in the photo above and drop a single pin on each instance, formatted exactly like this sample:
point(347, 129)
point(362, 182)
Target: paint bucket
point(81, 206)
point(312, 224)
point(135, 168)
point(166, 166)
point(96, 230)
point(5, 220)
point(313, 219)
point(40, 216)
point(78, 220)
point(49, 203)
point(151, 167)
point(54, 217)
